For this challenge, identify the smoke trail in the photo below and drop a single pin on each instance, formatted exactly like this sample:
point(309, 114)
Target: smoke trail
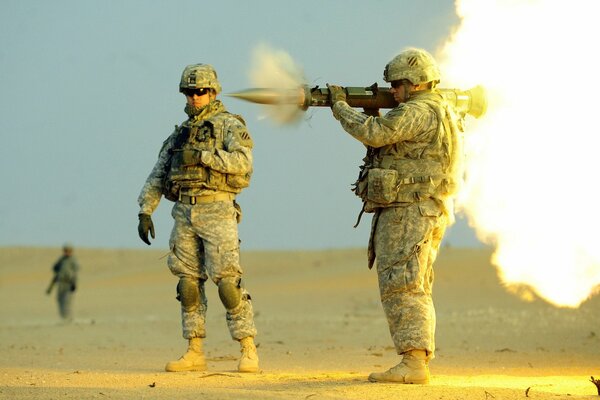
point(532, 161)
point(276, 69)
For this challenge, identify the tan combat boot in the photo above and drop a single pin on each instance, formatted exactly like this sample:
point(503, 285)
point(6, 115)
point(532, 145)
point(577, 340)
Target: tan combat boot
point(249, 360)
point(192, 360)
point(412, 369)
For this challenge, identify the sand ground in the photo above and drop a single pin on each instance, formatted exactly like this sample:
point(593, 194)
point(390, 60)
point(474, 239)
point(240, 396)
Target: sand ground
point(321, 332)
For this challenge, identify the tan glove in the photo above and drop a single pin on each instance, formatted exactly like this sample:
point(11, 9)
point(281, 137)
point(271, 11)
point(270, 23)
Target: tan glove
point(336, 93)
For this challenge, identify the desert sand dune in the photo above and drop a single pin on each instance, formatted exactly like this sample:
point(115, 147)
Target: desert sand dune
point(321, 331)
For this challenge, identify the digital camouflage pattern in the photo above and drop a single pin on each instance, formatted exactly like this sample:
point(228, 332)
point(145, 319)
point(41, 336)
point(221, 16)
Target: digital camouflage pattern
point(65, 277)
point(420, 139)
point(198, 76)
point(406, 242)
point(407, 230)
point(204, 241)
point(204, 244)
point(416, 65)
point(232, 156)
point(204, 138)
point(412, 125)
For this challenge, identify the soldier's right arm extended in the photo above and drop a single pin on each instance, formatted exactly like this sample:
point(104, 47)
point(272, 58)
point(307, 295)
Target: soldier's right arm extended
point(153, 187)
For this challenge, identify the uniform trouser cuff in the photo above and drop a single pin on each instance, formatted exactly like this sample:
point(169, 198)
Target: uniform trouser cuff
point(192, 324)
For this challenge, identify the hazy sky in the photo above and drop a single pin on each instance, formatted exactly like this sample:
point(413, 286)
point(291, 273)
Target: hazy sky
point(89, 91)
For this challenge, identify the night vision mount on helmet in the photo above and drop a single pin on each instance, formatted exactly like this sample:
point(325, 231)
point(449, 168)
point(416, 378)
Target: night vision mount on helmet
point(198, 76)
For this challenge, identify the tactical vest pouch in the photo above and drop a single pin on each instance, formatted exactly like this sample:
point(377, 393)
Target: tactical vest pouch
point(171, 190)
point(238, 211)
point(430, 209)
point(360, 186)
point(382, 185)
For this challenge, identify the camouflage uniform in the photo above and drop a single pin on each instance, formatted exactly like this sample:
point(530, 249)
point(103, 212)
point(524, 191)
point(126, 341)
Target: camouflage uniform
point(406, 181)
point(204, 241)
point(65, 278)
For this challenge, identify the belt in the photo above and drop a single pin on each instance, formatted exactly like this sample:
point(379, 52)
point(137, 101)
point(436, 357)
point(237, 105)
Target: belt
point(211, 198)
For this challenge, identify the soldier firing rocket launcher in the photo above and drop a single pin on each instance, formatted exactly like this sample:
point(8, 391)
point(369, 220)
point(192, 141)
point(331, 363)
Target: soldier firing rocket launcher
point(371, 98)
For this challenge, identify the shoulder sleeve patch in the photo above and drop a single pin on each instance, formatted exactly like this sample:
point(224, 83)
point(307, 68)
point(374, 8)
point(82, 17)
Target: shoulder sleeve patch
point(235, 128)
point(245, 135)
point(240, 118)
point(240, 133)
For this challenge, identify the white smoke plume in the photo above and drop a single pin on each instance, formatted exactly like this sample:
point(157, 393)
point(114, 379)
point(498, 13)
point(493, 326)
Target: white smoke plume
point(532, 161)
point(276, 69)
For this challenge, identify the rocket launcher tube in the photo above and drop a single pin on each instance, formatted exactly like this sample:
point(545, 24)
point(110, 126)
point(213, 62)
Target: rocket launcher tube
point(372, 97)
point(472, 101)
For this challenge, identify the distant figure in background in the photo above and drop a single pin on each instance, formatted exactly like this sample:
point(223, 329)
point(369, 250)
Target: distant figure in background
point(65, 278)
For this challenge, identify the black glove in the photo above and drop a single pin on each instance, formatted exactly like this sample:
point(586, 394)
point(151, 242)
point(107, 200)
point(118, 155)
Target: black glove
point(144, 226)
point(336, 93)
point(73, 287)
point(190, 157)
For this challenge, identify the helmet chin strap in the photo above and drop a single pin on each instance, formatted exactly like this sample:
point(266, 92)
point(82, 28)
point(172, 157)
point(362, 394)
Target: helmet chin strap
point(407, 89)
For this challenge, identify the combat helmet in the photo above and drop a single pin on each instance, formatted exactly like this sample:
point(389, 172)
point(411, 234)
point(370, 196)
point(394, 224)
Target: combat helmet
point(416, 65)
point(67, 247)
point(197, 76)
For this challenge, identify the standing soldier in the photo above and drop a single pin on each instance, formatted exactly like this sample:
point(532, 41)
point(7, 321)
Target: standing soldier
point(408, 181)
point(202, 165)
point(65, 278)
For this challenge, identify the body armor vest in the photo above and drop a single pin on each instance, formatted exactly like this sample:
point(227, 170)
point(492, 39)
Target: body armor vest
point(204, 135)
point(407, 171)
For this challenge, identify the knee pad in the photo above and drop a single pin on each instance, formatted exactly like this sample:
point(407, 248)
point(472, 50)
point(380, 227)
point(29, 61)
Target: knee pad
point(230, 292)
point(188, 293)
